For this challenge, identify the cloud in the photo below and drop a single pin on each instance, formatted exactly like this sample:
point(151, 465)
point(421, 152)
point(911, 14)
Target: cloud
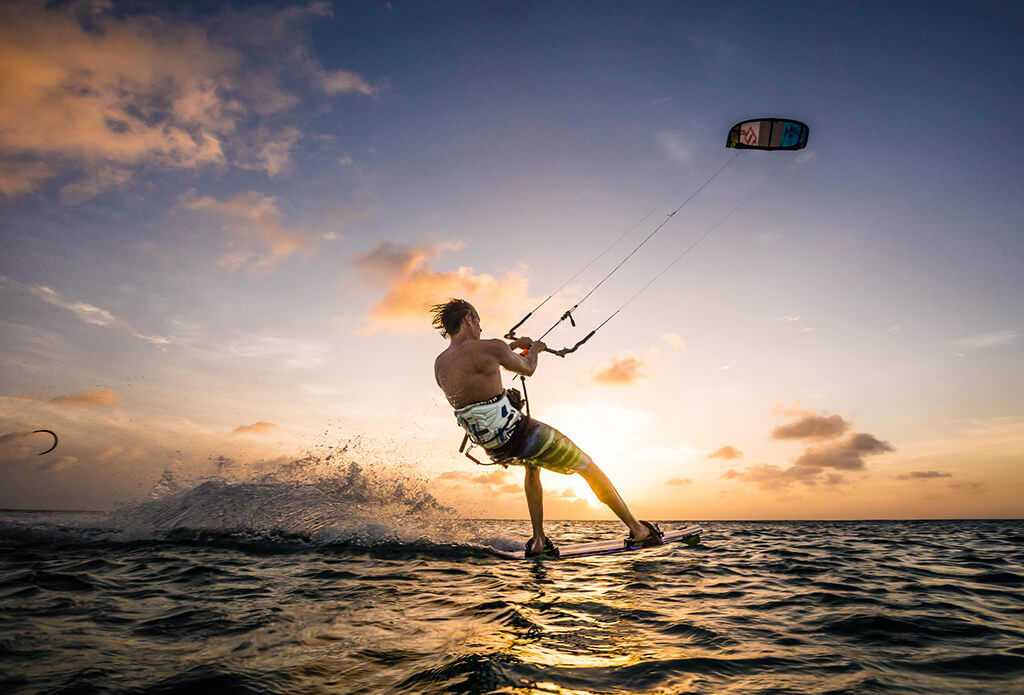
point(260, 427)
point(19, 440)
point(847, 454)
point(269, 152)
point(260, 239)
point(678, 482)
point(291, 353)
point(343, 81)
point(496, 477)
point(110, 452)
point(105, 91)
point(923, 475)
point(58, 463)
point(969, 487)
point(789, 318)
point(103, 94)
point(496, 482)
point(774, 478)
point(99, 180)
point(675, 146)
point(726, 452)
point(19, 178)
point(818, 463)
point(157, 340)
point(104, 398)
point(811, 426)
point(86, 312)
point(674, 340)
point(987, 340)
point(412, 286)
point(624, 369)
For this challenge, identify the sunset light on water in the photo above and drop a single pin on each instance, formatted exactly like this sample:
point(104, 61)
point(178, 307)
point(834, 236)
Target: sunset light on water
point(225, 459)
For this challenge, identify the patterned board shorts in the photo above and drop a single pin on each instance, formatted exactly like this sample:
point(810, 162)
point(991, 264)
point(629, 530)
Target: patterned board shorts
point(535, 443)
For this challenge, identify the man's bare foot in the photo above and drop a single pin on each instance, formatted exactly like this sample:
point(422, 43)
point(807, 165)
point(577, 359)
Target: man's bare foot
point(649, 534)
point(541, 546)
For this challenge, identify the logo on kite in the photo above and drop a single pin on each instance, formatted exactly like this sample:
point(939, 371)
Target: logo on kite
point(768, 134)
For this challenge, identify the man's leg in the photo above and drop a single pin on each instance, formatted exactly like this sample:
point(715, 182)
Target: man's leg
point(607, 493)
point(535, 501)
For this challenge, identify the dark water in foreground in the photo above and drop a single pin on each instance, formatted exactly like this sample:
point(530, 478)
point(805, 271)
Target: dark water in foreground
point(90, 604)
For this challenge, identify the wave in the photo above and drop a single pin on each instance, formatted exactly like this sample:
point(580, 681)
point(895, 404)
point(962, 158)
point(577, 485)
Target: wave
point(296, 507)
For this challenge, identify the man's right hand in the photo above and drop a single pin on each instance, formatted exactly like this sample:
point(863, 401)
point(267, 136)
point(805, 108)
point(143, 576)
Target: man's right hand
point(538, 346)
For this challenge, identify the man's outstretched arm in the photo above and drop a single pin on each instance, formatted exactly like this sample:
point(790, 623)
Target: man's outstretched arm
point(513, 361)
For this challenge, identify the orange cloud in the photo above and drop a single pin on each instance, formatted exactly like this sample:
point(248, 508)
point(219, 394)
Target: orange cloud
point(726, 452)
point(259, 237)
point(255, 428)
point(108, 93)
point(412, 286)
point(624, 369)
point(678, 482)
point(101, 93)
point(58, 463)
point(498, 477)
point(104, 398)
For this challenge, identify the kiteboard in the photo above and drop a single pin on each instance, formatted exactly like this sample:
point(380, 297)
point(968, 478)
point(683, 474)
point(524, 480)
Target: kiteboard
point(689, 535)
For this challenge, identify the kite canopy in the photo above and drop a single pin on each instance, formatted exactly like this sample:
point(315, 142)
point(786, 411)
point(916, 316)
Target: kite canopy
point(768, 134)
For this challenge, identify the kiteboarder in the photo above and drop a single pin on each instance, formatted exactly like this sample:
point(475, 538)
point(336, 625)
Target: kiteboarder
point(468, 373)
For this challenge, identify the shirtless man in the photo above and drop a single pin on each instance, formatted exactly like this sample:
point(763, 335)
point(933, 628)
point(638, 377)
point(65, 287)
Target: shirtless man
point(468, 373)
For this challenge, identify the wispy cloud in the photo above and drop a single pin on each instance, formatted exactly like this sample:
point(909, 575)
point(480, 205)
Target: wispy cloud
point(923, 475)
point(673, 340)
point(726, 452)
point(620, 370)
point(343, 81)
point(86, 312)
point(675, 145)
point(987, 340)
point(974, 488)
point(411, 286)
point(289, 352)
point(259, 237)
point(678, 482)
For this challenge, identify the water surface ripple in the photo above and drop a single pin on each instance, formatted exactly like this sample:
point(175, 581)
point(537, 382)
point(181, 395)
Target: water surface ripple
point(760, 607)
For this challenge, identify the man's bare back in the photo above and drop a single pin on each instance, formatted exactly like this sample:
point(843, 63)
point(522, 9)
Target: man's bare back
point(468, 370)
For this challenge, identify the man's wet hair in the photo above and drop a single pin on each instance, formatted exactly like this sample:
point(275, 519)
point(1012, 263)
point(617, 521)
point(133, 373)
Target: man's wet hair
point(448, 317)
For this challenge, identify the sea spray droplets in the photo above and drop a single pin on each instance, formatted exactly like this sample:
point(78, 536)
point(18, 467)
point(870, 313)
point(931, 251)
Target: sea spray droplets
point(305, 500)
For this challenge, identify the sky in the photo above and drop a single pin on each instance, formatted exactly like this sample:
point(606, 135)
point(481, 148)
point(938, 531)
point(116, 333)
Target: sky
point(222, 225)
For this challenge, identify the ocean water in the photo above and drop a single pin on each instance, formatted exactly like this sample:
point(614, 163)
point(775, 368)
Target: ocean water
point(354, 583)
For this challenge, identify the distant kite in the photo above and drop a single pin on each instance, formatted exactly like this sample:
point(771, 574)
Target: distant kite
point(768, 134)
point(54, 435)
